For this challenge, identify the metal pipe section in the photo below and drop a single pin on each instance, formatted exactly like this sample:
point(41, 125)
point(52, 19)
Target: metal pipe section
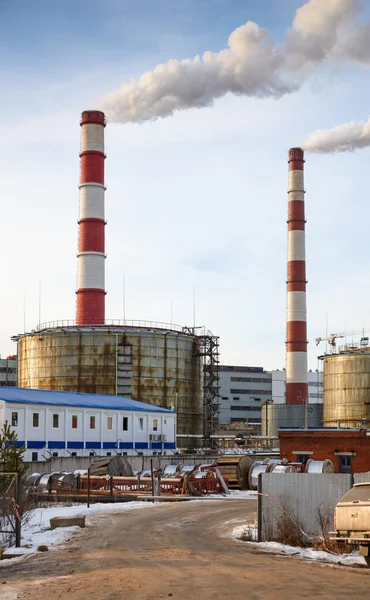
point(296, 336)
point(90, 305)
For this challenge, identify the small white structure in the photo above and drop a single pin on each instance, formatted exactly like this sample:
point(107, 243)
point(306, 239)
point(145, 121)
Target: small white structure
point(50, 423)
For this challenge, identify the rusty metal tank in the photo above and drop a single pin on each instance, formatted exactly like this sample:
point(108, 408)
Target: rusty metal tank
point(150, 363)
point(276, 416)
point(346, 388)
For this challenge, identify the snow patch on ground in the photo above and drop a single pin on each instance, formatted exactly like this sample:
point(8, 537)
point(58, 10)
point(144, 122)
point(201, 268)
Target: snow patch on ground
point(36, 531)
point(249, 494)
point(248, 531)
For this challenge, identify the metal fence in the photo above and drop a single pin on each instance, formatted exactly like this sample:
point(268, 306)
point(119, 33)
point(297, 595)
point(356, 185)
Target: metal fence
point(306, 500)
point(361, 477)
point(10, 509)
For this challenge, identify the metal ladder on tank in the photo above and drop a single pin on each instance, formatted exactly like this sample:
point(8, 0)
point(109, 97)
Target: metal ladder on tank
point(124, 370)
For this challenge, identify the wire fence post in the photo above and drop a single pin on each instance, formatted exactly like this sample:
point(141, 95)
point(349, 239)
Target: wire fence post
point(111, 487)
point(18, 511)
point(88, 487)
point(152, 474)
point(259, 508)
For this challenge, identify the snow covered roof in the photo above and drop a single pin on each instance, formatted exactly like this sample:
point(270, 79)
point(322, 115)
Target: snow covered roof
point(27, 396)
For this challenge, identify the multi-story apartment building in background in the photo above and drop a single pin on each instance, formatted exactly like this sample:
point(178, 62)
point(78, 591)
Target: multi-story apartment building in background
point(8, 371)
point(243, 390)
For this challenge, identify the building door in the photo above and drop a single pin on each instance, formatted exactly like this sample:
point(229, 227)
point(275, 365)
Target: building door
point(345, 464)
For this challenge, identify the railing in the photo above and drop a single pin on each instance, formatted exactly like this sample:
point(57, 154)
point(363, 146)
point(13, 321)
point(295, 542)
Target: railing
point(129, 323)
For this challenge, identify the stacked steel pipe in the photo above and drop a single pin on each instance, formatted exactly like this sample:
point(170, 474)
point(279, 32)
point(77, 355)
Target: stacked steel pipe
point(296, 337)
point(90, 309)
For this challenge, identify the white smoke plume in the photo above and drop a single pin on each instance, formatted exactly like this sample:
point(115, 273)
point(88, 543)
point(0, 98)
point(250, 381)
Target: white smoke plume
point(252, 65)
point(344, 138)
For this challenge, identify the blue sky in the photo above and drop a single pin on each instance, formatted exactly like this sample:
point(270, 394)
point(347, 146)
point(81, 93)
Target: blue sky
point(198, 198)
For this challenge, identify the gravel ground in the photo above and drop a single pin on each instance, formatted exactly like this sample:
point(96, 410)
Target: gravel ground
point(183, 550)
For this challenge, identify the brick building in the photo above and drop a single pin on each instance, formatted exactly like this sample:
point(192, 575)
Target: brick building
point(348, 449)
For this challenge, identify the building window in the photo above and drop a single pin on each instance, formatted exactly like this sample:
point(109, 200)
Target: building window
point(251, 392)
point(155, 424)
point(35, 419)
point(251, 379)
point(74, 421)
point(257, 399)
point(55, 454)
point(35, 456)
point(302, 458)
point(14, 419)
point(345, 464)
point(237, 398)
point(109, 424)
point(165, 422)
point(73, 453)
point(225, 398)
point(92, 422)
point(246, 408)
point(109, 454)
point(141, 424)
point(125, 423)
point(91, 453)
point(56, 421)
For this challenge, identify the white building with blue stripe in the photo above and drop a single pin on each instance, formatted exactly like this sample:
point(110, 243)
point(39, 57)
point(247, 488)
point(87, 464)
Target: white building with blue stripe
point(50, 424)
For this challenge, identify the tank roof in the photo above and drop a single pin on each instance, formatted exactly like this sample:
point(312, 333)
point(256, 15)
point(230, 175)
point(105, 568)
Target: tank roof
point(117, 326)
point(55, 398)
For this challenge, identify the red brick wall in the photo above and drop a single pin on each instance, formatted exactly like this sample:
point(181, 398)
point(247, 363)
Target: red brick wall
point(324, 444)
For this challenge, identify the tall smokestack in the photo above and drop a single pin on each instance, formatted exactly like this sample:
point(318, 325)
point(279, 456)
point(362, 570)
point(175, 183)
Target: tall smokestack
point(296, 341)
point(90, 305)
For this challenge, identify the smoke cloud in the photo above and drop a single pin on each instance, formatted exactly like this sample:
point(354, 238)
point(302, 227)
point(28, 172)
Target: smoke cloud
point(347, 137)
point(252, 65)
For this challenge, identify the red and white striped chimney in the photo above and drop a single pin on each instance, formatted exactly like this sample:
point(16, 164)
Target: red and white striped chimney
point(296, 337)
point(90, 305)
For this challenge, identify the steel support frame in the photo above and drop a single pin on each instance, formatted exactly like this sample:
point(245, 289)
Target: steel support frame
point(209, 350)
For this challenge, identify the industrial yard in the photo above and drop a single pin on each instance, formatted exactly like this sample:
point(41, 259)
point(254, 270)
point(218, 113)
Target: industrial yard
point(145, 452)
point(172, 550)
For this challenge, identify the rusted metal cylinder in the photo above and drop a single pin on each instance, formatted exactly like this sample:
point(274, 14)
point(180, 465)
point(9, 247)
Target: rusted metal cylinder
point(160, 367)
point(346, 388)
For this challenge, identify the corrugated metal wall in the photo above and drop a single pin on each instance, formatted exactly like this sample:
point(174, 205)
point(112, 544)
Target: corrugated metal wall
point(301, 496)
point(361, 477)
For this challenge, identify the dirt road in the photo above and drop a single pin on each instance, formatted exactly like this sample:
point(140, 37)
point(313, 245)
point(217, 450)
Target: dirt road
point(181, 550)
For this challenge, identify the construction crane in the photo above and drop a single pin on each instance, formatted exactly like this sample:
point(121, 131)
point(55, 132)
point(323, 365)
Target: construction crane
point(331, 339)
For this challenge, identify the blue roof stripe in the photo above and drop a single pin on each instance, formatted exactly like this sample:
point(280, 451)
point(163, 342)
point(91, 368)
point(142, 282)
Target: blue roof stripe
point(77, 399)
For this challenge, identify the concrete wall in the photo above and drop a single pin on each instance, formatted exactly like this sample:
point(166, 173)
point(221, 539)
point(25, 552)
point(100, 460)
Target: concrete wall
point(137, 462)
point(320, 444)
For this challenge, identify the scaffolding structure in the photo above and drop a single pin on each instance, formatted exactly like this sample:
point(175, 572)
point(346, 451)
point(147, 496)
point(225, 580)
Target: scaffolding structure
point(209, 350)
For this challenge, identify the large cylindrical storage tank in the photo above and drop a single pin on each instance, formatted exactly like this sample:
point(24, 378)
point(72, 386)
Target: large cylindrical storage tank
point(346, 388)
point(275, 416)
point(153, 365)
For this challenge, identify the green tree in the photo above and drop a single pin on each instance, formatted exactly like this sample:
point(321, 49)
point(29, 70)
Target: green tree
point(11, 455)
